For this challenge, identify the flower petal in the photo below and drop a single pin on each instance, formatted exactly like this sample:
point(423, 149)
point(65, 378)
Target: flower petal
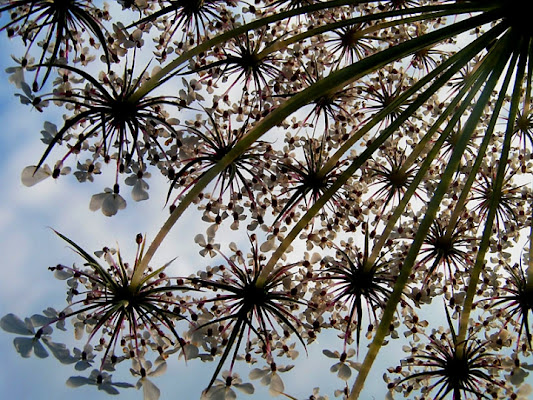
point(139, 193)
point(60, 352)
point(257, 373)
point(276, 385)
point(77, 381)
point(200, 239)
point(39, 349)
point(344, 372)
point(112, 203)
point(13, 324)
point(96, 201)
point(150, 391)
point(160, 370)
point(247, 388)
point(31, 176)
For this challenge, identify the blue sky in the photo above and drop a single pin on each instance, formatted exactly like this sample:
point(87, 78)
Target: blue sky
point(28, 247)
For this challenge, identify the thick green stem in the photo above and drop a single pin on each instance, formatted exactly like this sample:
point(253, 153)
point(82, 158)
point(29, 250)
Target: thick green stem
point(360, 160)
point(465, 191)
point(496, 193)
point(462, 57)
point(167, 71)
point(425, 13)
point(422, 230)
point(337, 79)
point(472, 86)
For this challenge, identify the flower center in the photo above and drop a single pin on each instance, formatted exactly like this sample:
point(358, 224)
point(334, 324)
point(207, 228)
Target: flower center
point(350, 38)
point(123, 111)
point(190, 7)
point(127, 296)
point(253, 296)
point(362, 281)
point(249, 61)
point(515, 14)
point(63, 5)
point(457, 370)
point(398, 178)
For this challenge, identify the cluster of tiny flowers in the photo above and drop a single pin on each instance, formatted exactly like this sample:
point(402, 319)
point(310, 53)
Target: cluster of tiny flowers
point(374, 157)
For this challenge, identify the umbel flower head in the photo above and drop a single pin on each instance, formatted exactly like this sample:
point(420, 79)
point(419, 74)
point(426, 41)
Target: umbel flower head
point(250, 303)
point(130, 315)
point(516, 299)
point(109, 109)
point(213, 139)
point(461, 368)
point(190, 17)
point(359, 283)
point(59, 24)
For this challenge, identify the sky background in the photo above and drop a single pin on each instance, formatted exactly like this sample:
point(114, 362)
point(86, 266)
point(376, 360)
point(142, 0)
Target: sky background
point(29, 246)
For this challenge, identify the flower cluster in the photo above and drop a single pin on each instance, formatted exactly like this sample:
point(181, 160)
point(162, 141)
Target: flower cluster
point(373, 156)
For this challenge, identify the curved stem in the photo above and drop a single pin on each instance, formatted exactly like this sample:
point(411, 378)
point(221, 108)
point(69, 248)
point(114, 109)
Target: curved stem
point(359, 161)
point(166, 72)
point(335, 80)
point(469, 51)
point(465, 191)
point(472, 85)
point(425, 13)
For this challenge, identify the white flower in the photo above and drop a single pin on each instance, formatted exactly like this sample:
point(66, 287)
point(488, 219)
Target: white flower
point(269, 377)
point(29, 98)
point(222, 389)
point(49, 132)
point(85, 357)
point(150, 390)
point(344, 367)
point(140, 186)
point(16, 76)
point(101, 380)
point(86, 171)
point(208, 246)
point(31, 175)
point(109, 201)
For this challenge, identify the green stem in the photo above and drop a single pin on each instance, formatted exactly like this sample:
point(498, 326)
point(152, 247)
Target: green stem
point(335, 80)
point(422, 230)
point(469, 51)
point(465, 191)
point(360, 160)
point(529, 271)
point(472, 85)
point(427, 12)
point(496, 193)
point(167, 72)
